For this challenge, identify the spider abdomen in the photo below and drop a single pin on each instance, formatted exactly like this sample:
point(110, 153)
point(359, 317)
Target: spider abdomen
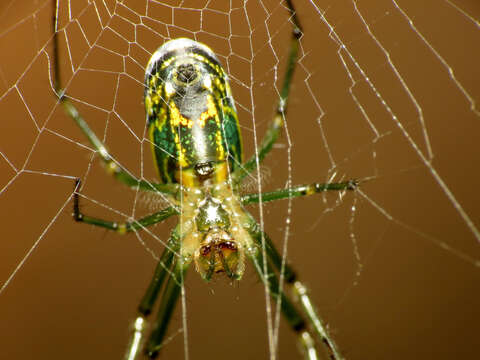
point(191, 115)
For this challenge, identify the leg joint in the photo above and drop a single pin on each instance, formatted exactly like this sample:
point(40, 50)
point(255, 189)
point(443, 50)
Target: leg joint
point(297, 33)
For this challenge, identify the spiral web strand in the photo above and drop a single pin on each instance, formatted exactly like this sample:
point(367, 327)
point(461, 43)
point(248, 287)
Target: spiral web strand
point(386, 91)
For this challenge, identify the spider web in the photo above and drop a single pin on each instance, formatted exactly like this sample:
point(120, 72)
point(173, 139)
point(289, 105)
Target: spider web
point(387, 91)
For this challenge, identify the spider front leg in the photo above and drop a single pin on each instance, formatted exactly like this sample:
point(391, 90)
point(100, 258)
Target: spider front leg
point(289, 311)
point(171, 266)
point(300, 294)
point(120, 227)
point(168, 266)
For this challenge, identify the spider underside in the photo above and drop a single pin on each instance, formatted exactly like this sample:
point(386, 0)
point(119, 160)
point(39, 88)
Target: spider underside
point(196, 143)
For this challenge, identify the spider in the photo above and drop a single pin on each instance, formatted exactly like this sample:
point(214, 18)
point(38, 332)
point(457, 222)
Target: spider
point(197, 147)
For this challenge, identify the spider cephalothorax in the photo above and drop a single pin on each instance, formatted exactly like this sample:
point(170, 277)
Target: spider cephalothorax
point(213, 235)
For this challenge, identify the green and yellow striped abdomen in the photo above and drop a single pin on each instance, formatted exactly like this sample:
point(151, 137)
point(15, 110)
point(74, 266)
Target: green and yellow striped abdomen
point(192, 121)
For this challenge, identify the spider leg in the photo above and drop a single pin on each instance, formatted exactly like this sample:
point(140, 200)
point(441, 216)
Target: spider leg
point(276, 123)
point(299, 190)
point(299, 292)
point(120, 227)
point(289, 311)
point(170, 297)
point(110, 165)
point(168, 265)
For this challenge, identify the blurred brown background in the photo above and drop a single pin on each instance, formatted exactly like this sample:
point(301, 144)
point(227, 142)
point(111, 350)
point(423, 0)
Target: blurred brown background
point(396, 278)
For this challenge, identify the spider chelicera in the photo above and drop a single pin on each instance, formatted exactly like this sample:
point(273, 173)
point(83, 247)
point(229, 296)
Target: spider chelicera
point(196, 143)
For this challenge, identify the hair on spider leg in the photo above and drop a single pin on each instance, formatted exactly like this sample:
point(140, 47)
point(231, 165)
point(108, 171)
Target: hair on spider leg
point(263, 175)
point(152, 201)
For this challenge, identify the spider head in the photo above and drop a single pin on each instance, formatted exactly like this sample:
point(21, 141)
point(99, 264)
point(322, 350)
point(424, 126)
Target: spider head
point(218, 253)
point(218, 249)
